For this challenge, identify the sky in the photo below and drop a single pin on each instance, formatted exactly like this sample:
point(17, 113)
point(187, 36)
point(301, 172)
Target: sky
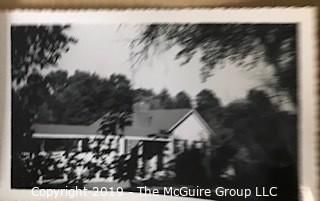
point(104, 50)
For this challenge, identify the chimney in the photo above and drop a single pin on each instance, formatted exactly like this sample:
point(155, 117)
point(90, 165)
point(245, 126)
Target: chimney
point(142, 116)
point(141, 106)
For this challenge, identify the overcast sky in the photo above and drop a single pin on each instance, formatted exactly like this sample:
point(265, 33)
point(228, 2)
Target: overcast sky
point(104, 49)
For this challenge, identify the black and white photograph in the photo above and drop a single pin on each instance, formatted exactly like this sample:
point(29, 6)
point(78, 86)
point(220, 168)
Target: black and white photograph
point(166, 107)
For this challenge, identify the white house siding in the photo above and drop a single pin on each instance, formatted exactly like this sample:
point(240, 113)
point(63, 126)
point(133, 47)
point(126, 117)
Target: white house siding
point(192, 129)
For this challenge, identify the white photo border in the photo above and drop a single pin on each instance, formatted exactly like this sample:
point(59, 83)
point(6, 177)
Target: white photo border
point(304, 17)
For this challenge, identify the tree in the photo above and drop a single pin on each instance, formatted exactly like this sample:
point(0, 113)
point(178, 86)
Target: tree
point(57, 81)
point(122, 95)
point(120, 102)
point(255, 120)
point(165, 100)
point(206, 100)
point(209, 106)
point(245, 44)
point(264, 143)
point(182, 100)
point(79, 100)
point(84, 97)
point(37, 47)
point(33, 48)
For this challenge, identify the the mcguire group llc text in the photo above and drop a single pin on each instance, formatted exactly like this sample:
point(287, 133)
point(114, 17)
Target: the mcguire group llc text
point(206, 192)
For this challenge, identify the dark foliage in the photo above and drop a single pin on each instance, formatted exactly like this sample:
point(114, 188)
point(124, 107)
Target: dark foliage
point(34, 48)
point(37, 47)
point(245, 44)
point(184, 168)
point(182, 100)
point(210, 108)
point(83, 97)
point(165, 100)
point(260, 146)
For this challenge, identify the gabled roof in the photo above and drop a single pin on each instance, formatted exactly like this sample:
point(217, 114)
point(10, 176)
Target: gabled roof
point(144, 123)
point(63, 129)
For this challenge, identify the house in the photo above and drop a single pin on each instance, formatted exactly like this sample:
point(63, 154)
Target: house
point(162, 134)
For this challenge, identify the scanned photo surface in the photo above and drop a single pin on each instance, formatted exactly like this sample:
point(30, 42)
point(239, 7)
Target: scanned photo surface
point(175, 108)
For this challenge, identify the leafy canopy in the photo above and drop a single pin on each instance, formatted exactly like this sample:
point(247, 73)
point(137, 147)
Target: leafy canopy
point(37, 47)
point(245, 44)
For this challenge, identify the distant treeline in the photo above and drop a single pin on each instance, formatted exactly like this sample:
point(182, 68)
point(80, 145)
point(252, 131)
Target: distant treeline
point(84, 97)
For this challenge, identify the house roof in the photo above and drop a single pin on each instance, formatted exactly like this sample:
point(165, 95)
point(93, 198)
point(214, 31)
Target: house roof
point(62, 129)
point(144, 123)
